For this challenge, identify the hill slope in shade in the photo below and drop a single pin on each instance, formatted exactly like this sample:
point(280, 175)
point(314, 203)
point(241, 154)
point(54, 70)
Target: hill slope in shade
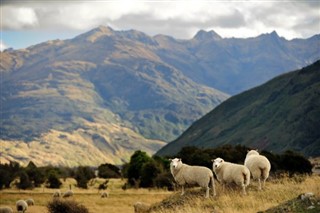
point(279, 115)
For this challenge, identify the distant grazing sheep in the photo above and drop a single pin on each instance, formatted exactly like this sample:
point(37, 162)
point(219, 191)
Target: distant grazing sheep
point(56, 194)
point(259, 166)
point(104, 194)
point(30, 202)
point(185, 174)
point(68, 193)
point(6, 210)
point(140, 207)
point(21, 205)
point(227, 172)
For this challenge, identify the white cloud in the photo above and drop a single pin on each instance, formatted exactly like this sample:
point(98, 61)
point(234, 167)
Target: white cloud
point(18, 17)
point(177, 18)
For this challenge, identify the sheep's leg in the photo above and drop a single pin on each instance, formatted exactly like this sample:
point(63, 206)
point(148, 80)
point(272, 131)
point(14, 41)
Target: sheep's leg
point(223, 187)
point(259, 183)
point(263, 183)
point(207, 192)
point(182, 193)
point(243, 189)
point(213, 187)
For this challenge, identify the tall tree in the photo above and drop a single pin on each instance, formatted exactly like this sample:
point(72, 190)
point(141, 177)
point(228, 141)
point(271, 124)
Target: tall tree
point(83, 175)
point(35, 174)
point(24, 182)
point(137, 160)
point(53, 181)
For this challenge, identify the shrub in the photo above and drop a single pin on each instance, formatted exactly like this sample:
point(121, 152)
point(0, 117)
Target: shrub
point(149, 171)
point(295, 163)
point(4, 178)
point(66, 206)
point(8, 172)
point(35, 174)
point(83, 175)
point(109, 171)
point(104, 185)
point(24, 182)
point(164, 180)
point(134, 172)
point(53, 181)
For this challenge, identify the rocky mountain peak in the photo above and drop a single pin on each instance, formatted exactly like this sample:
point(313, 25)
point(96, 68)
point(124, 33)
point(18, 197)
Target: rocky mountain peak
point(273, 35)
point(104, 29)
point(96, 33)
point(203, 35)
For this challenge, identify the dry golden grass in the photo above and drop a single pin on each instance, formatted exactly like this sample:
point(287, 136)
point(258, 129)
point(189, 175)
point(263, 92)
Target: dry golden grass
point(231, 201)
point(118, 201)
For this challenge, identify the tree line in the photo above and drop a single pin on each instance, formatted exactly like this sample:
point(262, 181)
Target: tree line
point(143, 170)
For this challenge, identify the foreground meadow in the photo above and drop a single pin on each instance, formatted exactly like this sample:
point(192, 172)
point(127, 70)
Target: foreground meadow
point(118, 201)
point(277, 191)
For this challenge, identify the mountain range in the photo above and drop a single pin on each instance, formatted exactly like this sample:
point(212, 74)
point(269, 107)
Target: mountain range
point(105, 93)
point(282, 114)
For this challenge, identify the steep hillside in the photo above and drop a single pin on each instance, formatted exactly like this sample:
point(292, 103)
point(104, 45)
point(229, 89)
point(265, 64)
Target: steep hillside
point(279, 115)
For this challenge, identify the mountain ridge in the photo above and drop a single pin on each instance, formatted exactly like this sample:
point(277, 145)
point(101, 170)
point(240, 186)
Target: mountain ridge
point(140, 90)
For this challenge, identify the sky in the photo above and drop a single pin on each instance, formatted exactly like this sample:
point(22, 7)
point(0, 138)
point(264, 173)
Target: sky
point(25, 23)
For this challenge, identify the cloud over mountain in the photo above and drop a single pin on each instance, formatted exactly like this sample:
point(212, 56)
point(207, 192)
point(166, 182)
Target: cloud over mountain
point(180, 19)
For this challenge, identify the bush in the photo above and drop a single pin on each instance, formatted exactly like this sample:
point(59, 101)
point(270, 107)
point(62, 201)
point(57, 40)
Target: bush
point(4, 178)
point(295, 163)
point(35, 174)
point(83, 175)
point(53, 181)
point(66, 206)
point(149, 171)
point(134, 172)
point(104, 185)
point(109, 171)
point(164, 180)
point(8, 172)
point(24, 182)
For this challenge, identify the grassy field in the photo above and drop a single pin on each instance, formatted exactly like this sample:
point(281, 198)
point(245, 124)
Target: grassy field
point(277, 191)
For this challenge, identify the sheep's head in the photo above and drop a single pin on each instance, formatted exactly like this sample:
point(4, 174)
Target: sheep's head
point(217, 162)
point(252, 152)
point(176, 163)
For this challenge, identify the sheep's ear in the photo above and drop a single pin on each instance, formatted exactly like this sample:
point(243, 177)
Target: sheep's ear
point(212, 160)
point(179, 159)
point(170, 159)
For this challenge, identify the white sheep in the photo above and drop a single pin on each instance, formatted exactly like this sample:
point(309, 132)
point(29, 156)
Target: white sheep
point(21, 205)
point(104, 194)
point(56, 194)
point(140, 207)
point(68, 193)
point(258, 165)
point(30, 202)
point(185, 174)
point(227, 172)
point(6, 209)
